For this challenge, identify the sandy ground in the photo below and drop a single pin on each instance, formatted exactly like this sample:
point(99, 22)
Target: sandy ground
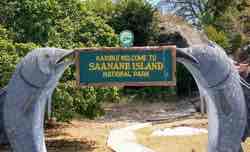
point(80, 136)
point(91, 135)
point(84, 135)
point(195, 143)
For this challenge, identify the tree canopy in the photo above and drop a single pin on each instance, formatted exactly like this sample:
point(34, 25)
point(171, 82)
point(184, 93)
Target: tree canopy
point(28, 24)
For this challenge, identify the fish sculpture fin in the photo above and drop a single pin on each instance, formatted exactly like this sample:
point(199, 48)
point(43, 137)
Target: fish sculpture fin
point(35, 79)
point(31, 100)
point(225, 107)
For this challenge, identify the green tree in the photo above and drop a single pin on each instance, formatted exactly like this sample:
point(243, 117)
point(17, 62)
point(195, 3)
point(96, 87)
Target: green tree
point(201, 12)
point(87, 31)
point(29, 19)
point(217, 36)
point(55, 23)
point(105, 9)
point(137, 16)
point(10, 54)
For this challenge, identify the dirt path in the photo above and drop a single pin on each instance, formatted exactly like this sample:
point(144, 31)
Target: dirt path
point(91, 135)
point(80, 136)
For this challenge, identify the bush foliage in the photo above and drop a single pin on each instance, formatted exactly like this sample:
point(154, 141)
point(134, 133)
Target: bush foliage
point(69, 101)
point(217, 36)
point(29, 24)
point(10, 54)
point(8, 63)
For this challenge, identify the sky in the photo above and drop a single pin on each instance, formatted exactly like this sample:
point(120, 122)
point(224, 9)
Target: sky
point(163, 6)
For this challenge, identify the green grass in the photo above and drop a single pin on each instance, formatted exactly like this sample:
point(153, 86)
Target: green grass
point(196, 143)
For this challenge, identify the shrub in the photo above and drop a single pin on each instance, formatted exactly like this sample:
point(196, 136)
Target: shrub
point(150, 94)
point(29, 19)
point(217, 36)
point(86, 31)
point(23, 48)
point(9, 57)
point(93, 31)
point(69, 101)
point(7, 46)
point(63, 106)
point(105, 9)
point(236, 41)
point(10, 54)
point(8, 63)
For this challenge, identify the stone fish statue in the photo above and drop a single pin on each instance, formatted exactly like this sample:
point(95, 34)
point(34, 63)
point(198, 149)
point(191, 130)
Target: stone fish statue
point(218, 79)
point(27, 94)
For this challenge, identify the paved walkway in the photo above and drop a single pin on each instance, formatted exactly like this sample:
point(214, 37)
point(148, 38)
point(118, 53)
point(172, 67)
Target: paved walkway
point(124, 140)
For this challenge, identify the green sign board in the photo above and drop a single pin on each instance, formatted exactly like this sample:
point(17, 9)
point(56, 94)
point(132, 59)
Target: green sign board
point(136, 66)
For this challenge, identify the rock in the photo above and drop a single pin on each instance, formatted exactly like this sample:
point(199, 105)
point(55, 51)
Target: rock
point(175, 31)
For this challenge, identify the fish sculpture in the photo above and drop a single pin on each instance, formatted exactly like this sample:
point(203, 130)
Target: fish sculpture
point(27, 94)
point(218, 79)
